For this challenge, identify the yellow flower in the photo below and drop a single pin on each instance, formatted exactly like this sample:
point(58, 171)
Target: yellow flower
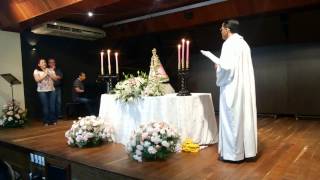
point(189, 146)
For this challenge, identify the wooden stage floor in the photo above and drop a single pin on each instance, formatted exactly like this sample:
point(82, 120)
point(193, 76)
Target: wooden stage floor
point(288, 149)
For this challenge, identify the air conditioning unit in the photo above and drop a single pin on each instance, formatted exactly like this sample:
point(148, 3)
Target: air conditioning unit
point(56, 28)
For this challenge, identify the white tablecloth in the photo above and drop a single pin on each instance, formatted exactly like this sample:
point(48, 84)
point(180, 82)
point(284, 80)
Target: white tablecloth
point(193, 116)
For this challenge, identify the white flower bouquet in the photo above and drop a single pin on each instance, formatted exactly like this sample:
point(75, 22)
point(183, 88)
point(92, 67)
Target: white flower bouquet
point(153, 88)
point(131, 88)
point(89, 131)
point(13, 115)
point(152, 141)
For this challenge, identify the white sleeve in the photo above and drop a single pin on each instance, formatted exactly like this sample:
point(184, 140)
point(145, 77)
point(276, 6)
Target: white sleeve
point(36, 75)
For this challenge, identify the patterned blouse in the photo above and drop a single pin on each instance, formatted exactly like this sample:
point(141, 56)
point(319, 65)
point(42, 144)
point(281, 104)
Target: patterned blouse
point(45, 84)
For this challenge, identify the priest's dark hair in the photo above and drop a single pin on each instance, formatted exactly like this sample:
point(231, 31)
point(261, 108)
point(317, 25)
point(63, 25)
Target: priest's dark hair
point(232, 24)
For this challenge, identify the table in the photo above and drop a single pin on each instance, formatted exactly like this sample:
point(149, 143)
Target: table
point(193, 116)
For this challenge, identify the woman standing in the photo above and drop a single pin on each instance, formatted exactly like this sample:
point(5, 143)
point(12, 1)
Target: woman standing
point(44, 78)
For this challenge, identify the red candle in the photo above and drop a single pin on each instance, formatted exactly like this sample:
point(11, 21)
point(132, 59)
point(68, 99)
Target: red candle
point(117, 68)
point(179, 57)
point(109, 64)
point(182, 59)
point(101, 61)
point(187, 56)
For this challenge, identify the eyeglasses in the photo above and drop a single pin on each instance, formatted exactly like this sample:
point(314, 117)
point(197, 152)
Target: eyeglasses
point(224, 28)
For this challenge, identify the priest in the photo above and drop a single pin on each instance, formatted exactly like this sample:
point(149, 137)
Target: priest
point(238, 113)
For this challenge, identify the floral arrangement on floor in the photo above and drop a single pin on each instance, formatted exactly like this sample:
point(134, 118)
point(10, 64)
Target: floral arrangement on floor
point(152, 141)
point(89, 131)
point(13, 115)
point(131, 87)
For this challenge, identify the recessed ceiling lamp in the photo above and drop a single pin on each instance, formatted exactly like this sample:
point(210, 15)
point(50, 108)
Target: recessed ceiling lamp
point(90, 14)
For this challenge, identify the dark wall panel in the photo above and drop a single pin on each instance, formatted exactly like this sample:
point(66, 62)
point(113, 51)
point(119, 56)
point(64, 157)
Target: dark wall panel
point(71, 55)
point(271, 79)
point(287, 78)
point(304, 79)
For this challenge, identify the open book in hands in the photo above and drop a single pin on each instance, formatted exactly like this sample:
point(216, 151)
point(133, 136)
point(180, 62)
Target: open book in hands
point(211, 56)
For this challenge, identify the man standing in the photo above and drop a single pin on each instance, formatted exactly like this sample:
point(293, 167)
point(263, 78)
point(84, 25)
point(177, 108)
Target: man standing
point(57, 85)
point(78, 92)
point(238, 113)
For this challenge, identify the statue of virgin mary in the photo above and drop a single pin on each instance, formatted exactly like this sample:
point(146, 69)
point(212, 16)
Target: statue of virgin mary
point(157, 72)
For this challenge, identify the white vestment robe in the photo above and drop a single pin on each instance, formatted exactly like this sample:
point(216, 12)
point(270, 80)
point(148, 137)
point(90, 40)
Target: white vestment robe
point(238, 113)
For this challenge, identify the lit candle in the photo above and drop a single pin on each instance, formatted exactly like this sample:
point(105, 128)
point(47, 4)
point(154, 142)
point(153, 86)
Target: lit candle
point(101, 61)
point(179, 57)
point(187, 56)
point(109, 64)
point(117, 68)
point(182, 59)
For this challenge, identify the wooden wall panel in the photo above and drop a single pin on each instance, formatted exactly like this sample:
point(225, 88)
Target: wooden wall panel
point(18, 15)
point(204, 15)
point(13, 12)
point(27, 9)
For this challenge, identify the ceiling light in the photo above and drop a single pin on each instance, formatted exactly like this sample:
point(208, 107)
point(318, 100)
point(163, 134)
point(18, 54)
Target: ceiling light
point(55, 23)
point(90, 14)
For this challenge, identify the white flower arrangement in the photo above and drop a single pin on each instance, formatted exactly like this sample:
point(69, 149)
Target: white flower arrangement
point(131, 88)
point(153, 141)
point(89, 131)
point(153, 88)
point(13, 115)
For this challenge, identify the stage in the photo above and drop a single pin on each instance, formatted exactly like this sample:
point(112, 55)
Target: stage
point(288, 149)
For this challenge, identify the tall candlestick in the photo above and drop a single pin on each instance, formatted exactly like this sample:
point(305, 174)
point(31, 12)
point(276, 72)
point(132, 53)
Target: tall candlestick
point(117, 68)
point(109, 64)
point(179, 57)
point(187, 56)
point(101, 61)
point(182, 59)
